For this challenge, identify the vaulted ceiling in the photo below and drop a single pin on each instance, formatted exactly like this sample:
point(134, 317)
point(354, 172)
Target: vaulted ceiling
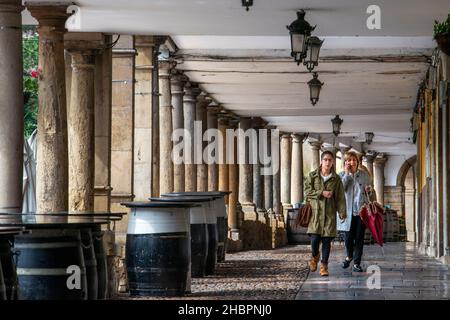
point(242, 58)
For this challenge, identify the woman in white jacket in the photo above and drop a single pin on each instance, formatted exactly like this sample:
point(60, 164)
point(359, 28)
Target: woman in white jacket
point(357, 185)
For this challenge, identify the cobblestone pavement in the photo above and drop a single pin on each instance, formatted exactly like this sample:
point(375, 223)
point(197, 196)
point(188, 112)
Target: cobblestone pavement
point(405, 275)
point(256, 275)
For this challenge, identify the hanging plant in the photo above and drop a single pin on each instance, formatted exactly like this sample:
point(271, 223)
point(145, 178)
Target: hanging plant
point(442, 35)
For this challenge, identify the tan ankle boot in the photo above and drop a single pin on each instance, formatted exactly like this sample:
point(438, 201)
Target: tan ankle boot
point(313, 263)
point(324, 270)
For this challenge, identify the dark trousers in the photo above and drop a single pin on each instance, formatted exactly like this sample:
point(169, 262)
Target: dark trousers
point(354, 240)
point(326, 246)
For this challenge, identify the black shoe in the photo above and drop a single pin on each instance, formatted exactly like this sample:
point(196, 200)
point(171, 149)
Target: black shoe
point(357, 268)
point(346, 263)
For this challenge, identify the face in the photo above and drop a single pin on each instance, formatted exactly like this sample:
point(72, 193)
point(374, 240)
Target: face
point(327, 162)
point(352, 162)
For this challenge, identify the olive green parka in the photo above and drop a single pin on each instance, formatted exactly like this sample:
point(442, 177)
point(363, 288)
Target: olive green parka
point(323, 219)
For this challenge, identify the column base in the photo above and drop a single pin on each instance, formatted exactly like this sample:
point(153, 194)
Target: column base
point(256, 232)
point(278, 230)
point(286, 207)
point(249, 212)
point(234, 241)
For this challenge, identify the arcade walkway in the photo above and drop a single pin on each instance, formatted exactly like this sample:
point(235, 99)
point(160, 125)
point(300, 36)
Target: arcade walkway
point(405, 275)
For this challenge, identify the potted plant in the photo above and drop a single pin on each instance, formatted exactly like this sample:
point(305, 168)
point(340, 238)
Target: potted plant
point(442, 35)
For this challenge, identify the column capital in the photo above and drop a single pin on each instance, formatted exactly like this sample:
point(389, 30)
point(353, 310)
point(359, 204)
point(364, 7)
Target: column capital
point(298, 137)
point(177, 82)
point(369, 157)
point(144, 41)
point(191, 91)
point(285, 135)
point(165, 67)
point(315, 144)
point(258, 123)
point(50, 15)
point(214, 109)
point(380, 160)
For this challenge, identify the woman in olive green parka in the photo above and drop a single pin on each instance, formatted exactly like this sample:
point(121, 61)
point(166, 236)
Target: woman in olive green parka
point(325, 192)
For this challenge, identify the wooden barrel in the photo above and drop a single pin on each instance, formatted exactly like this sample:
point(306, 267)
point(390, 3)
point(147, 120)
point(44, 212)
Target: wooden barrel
point(158, 248)
point(2, 285)
point(102, 265)
point(200, 217)
point(8, 268)
point(90, 263)
point(45, 263)
point(221, 215)
point(295, 234)
point(391, 226)
point(368, 237)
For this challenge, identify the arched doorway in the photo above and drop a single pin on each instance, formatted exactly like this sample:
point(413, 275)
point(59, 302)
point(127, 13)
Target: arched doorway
point(407, 180)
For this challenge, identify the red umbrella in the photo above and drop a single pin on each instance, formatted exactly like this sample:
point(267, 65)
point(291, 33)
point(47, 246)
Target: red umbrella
point(372, 216)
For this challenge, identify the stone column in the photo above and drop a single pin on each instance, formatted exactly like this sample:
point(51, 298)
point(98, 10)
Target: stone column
point(285, 178)
point(245, 172)
point(155, 118)
point(368, 159)
point(213, 168)
point(258, 178)
point(143, 96)
point(178, 81)
point(315, 148)
point(189, 112)
point(165, 128)
point(297, 168)
point(378, 171)
point(83, 47)
point(102, 119)
point(268, 179)
point(224, 123)
point(11, 107)
point(52, 166)
point(202, 168)
point(277, 208)
point(233, 223)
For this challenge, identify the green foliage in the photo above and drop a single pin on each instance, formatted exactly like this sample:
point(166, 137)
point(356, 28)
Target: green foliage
point(30, 84)
point(442, 27)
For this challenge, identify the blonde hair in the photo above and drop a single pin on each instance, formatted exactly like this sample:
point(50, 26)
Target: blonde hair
point(351, 154)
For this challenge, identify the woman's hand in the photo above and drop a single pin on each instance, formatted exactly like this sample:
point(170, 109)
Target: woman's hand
point(327, 194)
point(368, 189)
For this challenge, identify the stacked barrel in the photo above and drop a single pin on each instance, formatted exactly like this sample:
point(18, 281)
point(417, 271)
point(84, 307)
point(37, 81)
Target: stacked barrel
point(174, 238)
point(57, 256)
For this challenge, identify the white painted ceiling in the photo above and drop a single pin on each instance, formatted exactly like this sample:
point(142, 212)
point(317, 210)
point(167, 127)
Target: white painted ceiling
point(242, 58)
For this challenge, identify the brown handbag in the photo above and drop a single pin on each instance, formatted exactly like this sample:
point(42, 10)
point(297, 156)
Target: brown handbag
point(303, 216)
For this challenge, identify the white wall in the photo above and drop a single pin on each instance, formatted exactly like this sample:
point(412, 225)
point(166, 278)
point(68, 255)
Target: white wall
point(393, 165)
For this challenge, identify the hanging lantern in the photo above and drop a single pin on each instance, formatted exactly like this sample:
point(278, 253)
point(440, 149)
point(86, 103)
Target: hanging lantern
point(337, 122)
point(369, 137)
point(299, 31)
point(313, 45)
point(314, 88)
point(247, 4)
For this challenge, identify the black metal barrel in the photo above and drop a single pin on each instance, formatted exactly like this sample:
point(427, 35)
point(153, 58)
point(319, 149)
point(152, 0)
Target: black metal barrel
point(158, 248)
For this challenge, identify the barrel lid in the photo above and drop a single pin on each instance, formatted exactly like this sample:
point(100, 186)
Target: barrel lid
point(216, 194)
point(31, 221)
point(11, 230)
point(182, 199)
point(114, 216)
point(155, 204)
